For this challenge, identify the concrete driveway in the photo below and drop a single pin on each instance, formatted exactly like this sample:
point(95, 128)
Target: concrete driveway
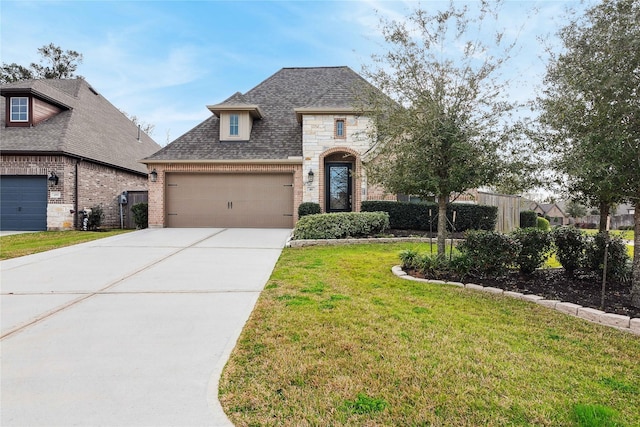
point(132, 330)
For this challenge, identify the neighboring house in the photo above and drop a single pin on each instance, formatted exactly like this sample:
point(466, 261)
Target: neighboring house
point(293, 138)
point(551, 211)
point(65, 148)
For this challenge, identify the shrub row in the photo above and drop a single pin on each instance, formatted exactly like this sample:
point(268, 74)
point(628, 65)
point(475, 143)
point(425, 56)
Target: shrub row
point(424, 216)
point(341, 225)
point(576, 249)
point(488, 253)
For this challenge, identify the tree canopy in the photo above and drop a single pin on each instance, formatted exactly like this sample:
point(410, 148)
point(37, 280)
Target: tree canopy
point(439, 124)
point(54, 64)
point(591, 110)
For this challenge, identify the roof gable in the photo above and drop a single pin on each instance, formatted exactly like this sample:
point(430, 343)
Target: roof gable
point(278, 134)
point(90, 128)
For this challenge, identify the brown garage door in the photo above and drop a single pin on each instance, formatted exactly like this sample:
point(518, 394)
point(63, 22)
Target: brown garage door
point(229, 200)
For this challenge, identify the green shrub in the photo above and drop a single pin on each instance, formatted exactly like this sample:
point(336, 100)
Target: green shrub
point(618, 261)
point(543, 224)
point(140, 214)
point(570, 244)
point(528, 219)
point(96, 216)
point(415, 216)
point(489, 253)
point(308, 208)
point(433, 266)
point(409, 259)
point(341, 225)
point(535, 246)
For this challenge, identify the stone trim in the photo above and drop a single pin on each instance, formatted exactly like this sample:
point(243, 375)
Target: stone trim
point(623, 323)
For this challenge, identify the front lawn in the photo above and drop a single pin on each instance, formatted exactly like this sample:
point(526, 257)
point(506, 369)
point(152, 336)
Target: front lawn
point(30, 243)
point(336, 339)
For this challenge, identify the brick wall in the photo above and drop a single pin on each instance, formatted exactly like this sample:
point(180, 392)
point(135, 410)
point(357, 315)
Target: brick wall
point(97, 185)
point(100, 185)
point(157, 189)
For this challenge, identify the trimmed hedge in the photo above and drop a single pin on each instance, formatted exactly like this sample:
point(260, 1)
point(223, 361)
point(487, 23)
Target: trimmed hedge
point(543, 224)
point(415, 216)
point(528, 219)
point(341, 225)
point(308, 208)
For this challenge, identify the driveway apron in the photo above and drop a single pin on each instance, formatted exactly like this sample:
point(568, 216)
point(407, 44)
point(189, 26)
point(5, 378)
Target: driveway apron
point(131, 330)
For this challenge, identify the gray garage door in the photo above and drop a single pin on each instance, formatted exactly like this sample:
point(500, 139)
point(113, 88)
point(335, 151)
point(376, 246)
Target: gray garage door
point(23, 203)
point(229, 200)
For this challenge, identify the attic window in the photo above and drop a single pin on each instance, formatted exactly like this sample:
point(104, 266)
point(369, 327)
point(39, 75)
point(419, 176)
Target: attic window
point(19, 109)
point(233, 125)
point(339, 129)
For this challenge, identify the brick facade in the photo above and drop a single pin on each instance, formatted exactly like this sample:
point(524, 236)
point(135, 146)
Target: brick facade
point(157, 214)
point(98, 185)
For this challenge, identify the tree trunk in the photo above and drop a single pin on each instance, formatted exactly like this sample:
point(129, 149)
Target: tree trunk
point(604, 213)
point(442, 223)
point(635, 278)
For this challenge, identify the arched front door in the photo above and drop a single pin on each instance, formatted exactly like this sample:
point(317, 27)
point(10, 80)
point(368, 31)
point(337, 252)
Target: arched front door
point(338, 187)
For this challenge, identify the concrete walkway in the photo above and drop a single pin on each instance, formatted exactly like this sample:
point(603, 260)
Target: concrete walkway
point(131, 330)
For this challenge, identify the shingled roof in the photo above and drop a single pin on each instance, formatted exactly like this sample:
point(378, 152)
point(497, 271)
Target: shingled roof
point(278, 134)
point(89, 126)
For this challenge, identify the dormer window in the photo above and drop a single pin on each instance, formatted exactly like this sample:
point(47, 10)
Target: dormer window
point(19, 109)
point(233, 125)
point(236, 120)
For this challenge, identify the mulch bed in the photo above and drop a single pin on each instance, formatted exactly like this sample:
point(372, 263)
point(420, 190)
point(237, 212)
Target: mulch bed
point(585, 288)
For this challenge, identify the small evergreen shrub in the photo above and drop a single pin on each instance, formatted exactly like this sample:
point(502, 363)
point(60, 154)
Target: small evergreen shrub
point(433, 266)
point(96, 216)
point(543, 224)
point(341, 225)
point(618, 261)
point(490, 253)
point(570, 244)
point(528, 219)
point(308, 208)
point(140, 215)
point(535, 246)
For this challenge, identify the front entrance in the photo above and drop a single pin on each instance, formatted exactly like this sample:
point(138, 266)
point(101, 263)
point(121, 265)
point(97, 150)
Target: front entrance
point(339, 187)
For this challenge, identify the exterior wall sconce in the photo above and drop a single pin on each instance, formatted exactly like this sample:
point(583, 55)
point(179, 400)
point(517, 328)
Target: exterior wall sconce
point(153, 175)
point(53, 178)
point(310, 177)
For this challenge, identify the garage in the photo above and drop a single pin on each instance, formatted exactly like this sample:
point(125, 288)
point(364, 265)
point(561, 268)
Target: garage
point(23, 203)
point(229, 200)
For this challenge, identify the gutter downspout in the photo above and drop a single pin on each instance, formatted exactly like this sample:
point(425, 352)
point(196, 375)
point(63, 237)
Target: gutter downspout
point(76, 192)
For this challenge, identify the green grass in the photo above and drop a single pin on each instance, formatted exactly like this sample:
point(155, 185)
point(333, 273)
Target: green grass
point(624, 234)
point(336, 339)
point(30, 243)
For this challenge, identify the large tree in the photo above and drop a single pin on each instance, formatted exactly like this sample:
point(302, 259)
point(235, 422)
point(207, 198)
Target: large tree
point(54, 64)
point(438, 125)
point(591, 109)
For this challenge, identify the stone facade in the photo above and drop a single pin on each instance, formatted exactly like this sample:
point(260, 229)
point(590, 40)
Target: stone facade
point(97, 185)
point(320, 142)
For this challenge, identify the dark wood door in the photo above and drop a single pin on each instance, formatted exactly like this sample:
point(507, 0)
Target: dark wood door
point(339, 191)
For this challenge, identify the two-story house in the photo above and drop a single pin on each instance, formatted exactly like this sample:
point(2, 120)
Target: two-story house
point(65, 148)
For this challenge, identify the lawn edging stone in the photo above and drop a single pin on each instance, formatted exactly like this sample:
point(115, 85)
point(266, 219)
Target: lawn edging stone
point(617, 321)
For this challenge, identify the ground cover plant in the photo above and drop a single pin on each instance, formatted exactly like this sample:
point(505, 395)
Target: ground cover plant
point(336, 339)
point(17, 245)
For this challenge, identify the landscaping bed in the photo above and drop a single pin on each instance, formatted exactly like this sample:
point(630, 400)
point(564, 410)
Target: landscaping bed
point(585, 288)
